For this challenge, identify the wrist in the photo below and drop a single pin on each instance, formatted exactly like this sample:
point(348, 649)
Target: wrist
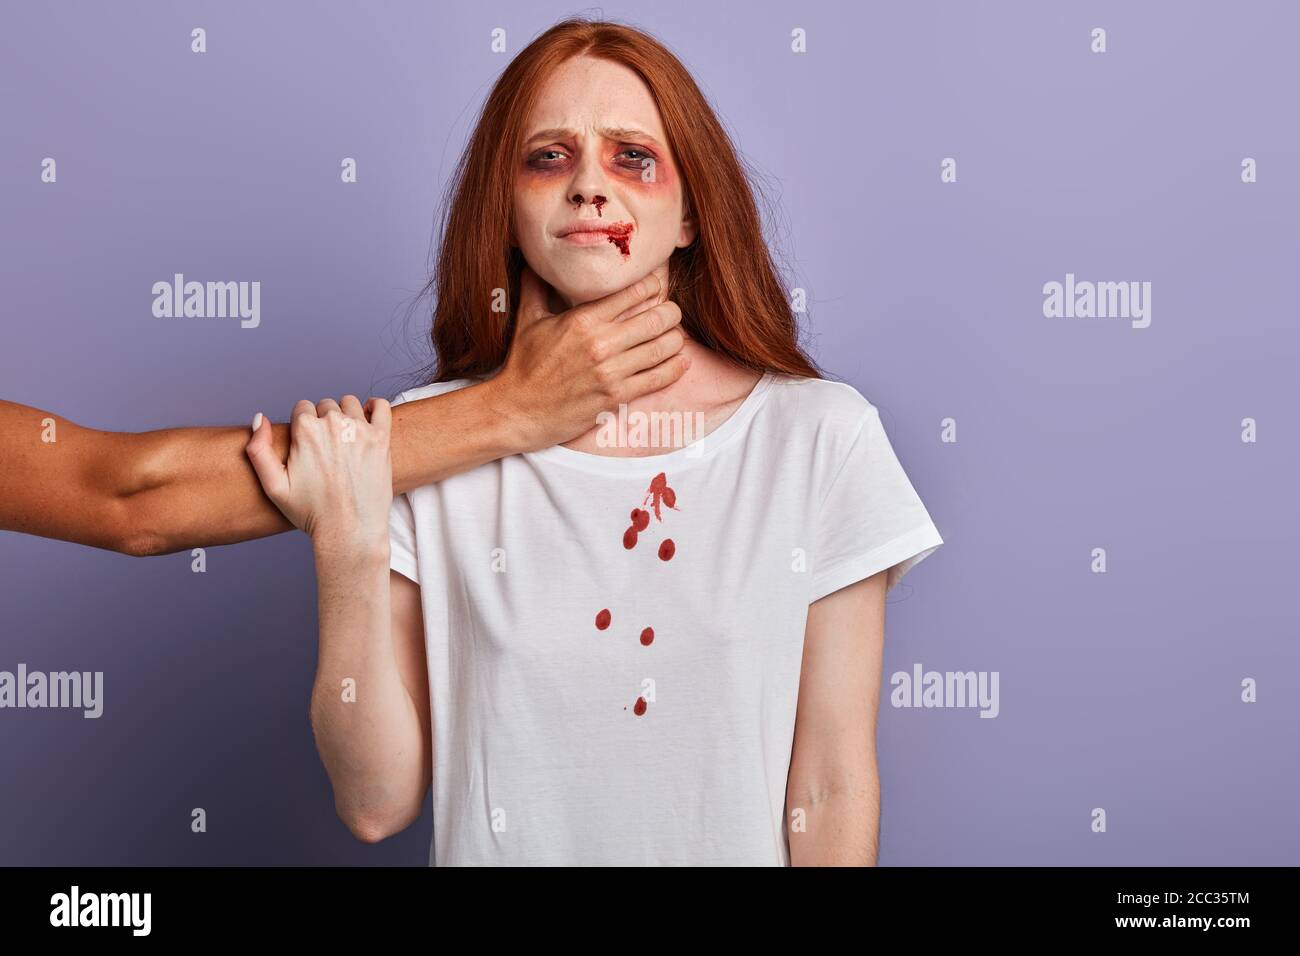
point(507, 420)
point(351, 546)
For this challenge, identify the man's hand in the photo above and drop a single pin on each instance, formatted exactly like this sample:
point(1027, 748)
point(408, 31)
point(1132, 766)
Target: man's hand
point(564, 369)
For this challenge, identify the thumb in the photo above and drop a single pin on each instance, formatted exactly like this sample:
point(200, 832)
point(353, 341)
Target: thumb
point(271, 472)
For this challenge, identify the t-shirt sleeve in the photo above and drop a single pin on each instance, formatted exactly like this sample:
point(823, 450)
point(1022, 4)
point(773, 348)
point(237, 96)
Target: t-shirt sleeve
point(401, 538)
point(403, 553)
point(872, 518)
point(401, 530)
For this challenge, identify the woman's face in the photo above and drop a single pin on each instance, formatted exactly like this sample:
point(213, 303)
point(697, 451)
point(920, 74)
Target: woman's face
point(595, 155)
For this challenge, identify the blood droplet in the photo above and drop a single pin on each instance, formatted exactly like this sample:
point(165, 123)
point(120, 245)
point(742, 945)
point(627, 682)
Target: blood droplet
point(640, 519)
point(629, 537)
point(670, 498)
point(639, 707)
point(667, 549)
point(648, 636)
point(603, 619)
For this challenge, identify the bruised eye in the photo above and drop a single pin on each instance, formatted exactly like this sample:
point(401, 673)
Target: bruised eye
point(537, 158)
point(641, 158)
point(547, 158)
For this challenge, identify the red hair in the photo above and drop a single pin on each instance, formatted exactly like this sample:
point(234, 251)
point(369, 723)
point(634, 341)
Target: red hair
point(724, 281)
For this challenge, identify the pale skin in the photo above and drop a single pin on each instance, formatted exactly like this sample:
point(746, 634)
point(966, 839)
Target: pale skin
point(378, 749)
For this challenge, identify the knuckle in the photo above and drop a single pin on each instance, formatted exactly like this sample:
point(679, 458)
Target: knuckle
point(660, 349)
point(655, 320)
point(606, 379)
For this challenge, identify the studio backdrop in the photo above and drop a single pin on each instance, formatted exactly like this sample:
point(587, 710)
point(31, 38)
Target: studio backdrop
point(1054, 243)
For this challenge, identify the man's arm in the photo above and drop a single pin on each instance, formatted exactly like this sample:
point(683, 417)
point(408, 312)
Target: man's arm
point(179, 488)
point(833, 790)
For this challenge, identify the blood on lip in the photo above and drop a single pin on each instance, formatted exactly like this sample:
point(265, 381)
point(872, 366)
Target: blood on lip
point(619, 233)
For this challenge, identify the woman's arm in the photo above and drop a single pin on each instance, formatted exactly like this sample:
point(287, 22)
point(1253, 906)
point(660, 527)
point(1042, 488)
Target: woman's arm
point(179, 488)
point(833, 790)
point(370, 699)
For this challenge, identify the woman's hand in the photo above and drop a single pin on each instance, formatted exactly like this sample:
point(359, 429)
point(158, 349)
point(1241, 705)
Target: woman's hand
point(565, 368)
point(337, 483)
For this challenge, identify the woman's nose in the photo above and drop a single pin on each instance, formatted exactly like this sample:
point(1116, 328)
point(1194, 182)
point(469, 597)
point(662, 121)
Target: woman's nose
point(596, 200)
point(589, 184)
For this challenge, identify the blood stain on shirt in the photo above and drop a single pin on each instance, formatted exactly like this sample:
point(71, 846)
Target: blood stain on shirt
point(657, 495)
point(660, 492)
point(603, 619)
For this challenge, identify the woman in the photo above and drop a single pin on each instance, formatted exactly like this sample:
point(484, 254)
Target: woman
point(596, 653)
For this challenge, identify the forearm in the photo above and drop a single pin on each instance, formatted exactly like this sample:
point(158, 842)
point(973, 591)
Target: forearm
point(835, 825)
point(195, 488)
point(435, 438)
point(367, 725)
point(173, 489)
point(147, 493)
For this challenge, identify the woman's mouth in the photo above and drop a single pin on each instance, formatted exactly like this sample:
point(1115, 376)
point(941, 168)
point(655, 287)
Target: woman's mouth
point(594, 234)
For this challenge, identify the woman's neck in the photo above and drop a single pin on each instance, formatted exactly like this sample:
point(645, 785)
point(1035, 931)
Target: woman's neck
point(712, 388)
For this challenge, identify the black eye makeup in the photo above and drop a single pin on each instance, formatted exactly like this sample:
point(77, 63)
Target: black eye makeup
point(545, 158)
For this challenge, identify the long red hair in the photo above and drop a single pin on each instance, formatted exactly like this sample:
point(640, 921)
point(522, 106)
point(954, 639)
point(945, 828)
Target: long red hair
point(724, 282)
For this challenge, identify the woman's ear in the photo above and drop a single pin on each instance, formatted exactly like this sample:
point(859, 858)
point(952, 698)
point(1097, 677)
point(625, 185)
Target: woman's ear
point(686, 235)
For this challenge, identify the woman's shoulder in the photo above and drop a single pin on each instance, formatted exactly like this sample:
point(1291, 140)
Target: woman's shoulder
point(821, 420)
point(821, 402)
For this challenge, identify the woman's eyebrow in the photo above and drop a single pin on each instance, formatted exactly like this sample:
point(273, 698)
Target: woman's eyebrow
point(609, 132)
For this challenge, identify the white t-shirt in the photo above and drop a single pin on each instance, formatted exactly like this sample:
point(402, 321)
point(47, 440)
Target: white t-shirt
point(564, 731)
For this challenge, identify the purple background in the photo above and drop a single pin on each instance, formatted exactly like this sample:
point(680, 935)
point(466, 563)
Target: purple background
point(1119, 690)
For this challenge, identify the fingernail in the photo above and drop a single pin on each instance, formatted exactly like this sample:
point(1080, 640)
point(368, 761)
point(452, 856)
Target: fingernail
point(257, 422)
